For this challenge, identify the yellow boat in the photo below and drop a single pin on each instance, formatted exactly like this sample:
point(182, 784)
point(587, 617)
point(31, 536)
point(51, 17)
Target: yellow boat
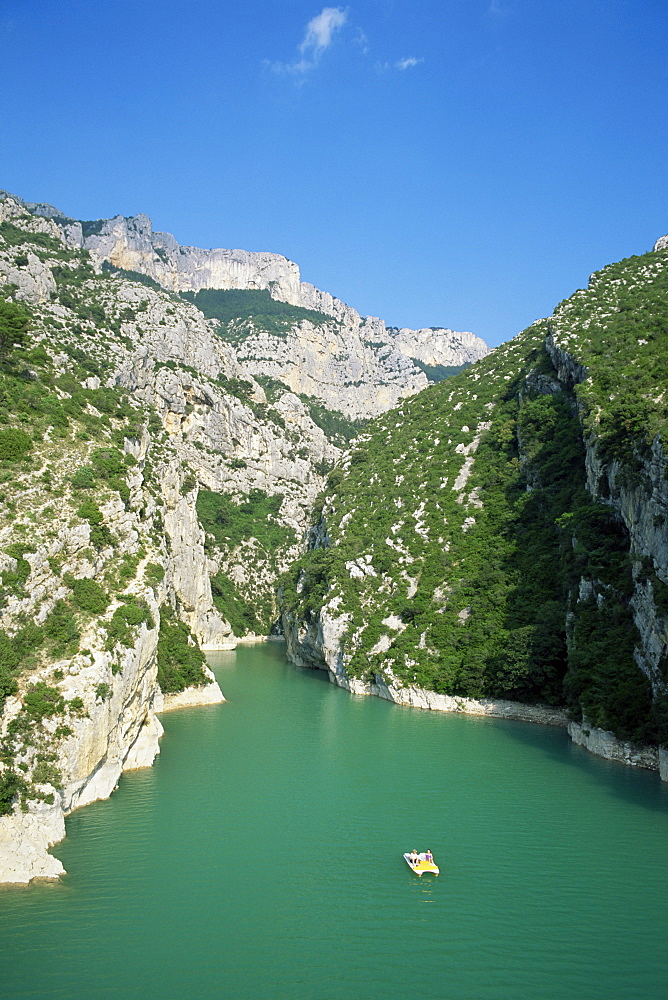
point(421, 865)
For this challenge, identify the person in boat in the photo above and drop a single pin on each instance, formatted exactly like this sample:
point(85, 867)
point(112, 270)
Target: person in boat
point(429, 857)
point(414, 857)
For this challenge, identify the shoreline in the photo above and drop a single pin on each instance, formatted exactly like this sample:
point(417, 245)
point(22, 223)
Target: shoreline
point(25, 838)
point(598, 742)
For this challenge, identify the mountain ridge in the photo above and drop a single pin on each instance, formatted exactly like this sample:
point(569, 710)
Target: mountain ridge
point(394, 359)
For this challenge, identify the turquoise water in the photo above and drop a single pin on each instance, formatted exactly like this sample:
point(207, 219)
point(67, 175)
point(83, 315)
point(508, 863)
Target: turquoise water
point(261, 858)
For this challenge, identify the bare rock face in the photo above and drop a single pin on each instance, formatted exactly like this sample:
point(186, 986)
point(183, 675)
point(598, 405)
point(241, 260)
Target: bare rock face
point(333, 364)
point(114, 726)
point(353, 364)
point(189, 573)
point(605, 744)
point(33, 279)
point(439, 346)
point(131, 243)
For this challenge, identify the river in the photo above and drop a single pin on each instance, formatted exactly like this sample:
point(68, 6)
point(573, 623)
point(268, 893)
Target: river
point(260, 859)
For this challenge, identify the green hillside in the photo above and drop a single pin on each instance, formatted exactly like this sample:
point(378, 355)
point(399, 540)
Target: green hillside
point(468, 552)
point(241, 311)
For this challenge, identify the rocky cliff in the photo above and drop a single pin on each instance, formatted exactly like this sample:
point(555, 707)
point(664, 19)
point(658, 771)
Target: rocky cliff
point(121, 408)
point(353, 364)
point(520, 554)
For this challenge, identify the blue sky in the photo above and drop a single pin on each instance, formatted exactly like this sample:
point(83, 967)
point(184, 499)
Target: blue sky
point(466, 163)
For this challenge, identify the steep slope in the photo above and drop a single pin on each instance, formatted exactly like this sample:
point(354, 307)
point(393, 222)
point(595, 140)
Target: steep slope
point(118, 402)
point(326, 351)
point(521, 549)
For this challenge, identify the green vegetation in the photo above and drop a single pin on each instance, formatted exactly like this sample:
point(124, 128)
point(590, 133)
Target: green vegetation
point(89, 596)
point(239, 387)
point(154, 574)
point(126, 620)
point(244, 614)
point(40, 701)
point(61, 631)
point(439, 373)
point(231, 522)
point(108, 465)
point(248, 528)
point(11, 655)
point(339, 429)
point(238, 310)
point(489, 569)
point(618, 329)
point(10, 786)
point(14, 444)
point(20, 237)
point(100, 536)
point(92, 227)
point(143, 279)
point(57, 637)
point(273, 387)
point(180, 660)
point(14, 320)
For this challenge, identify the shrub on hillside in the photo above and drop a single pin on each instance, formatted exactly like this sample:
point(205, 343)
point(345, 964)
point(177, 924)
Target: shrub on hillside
point(180, 660)
point(14, 444)
point(89, 596)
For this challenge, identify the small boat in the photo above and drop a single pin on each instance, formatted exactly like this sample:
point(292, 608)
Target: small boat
point(421, 865)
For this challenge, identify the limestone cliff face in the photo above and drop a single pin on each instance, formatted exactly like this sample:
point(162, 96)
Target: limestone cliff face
point(641, 503)
point(131, 243)
point(438, 346)
point(334, 364)
point(355, 365)
point(188, 431)
point(115, 726)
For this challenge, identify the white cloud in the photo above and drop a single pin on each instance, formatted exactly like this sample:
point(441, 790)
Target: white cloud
point(401, 64)
point(320, 31)
point(318, 37)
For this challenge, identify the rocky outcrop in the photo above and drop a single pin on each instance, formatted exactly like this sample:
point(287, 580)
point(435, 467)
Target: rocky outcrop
point(346, 361)
point(320, 645)
point(436, 346)
point(131, 243)
point(189, 564)
point(192, 697)
point(641, 503)
point(115, 727)
point(604, 744)
point(333, 364)
point(24, 842)
point(354, 365)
